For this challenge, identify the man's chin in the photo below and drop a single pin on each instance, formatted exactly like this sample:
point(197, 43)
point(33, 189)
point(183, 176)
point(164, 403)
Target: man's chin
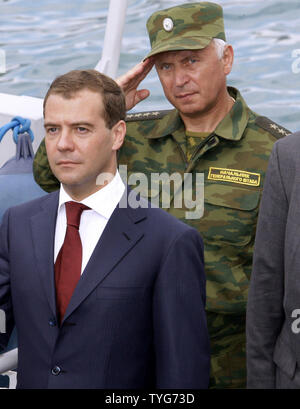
point(188, 109)
point(67, 180)
point(190, 112)
point(193, 110)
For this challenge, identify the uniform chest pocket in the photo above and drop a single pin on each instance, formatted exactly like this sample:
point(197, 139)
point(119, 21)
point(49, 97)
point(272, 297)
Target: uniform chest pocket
point(230, 214)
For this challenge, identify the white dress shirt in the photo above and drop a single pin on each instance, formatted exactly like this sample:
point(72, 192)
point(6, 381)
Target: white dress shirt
point(92, 222)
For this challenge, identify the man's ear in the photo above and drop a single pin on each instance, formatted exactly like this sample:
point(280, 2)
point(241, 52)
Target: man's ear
point(228, 57)
point(118, 134)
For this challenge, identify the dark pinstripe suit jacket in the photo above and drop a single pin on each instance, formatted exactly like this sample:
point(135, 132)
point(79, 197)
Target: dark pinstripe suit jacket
point(136, 318)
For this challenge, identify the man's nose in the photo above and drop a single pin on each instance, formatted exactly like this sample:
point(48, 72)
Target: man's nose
point(181, 77)
point(65, 141)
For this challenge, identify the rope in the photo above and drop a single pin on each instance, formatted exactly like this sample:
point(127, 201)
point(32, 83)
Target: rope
point(19, 125)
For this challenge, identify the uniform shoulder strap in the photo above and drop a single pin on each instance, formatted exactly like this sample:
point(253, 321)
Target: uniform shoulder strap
point(142, 116)
point(268, 125)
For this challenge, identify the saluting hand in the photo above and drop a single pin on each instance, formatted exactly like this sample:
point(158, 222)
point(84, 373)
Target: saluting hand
point(130, 81)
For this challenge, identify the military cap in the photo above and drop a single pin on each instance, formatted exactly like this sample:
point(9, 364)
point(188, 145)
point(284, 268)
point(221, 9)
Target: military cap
point(186, 27)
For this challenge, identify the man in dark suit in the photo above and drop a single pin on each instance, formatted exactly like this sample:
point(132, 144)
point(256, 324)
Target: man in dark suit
point(103, 295)
point(273, 324)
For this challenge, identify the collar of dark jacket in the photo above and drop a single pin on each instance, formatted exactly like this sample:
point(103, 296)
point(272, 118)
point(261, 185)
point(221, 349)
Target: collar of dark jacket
point(231, 127)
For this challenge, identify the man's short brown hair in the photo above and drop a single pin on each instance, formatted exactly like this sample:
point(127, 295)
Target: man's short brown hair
point(69, 84)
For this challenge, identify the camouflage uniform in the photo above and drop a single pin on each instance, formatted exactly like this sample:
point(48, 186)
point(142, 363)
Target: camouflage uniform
point(233, 159)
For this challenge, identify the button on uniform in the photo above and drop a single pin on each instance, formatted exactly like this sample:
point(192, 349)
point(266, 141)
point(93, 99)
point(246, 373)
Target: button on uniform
point(52, 322)
point(56, 370)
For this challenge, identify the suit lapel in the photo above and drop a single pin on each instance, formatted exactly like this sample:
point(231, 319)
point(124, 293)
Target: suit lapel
point(43, 230)
point(120, 235)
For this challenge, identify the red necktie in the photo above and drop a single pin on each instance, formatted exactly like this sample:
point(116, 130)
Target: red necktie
point(68, 263)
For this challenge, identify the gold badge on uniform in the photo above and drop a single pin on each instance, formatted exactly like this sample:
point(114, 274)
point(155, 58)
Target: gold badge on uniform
point(234, 176)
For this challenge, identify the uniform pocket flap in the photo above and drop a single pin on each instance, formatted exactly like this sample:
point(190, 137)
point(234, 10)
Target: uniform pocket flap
point(231, 196)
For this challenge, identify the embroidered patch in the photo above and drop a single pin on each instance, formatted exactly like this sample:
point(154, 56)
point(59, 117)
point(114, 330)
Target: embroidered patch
point(234, 176)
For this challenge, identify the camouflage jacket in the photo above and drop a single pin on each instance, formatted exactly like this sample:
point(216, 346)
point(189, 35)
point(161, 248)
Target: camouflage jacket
point(233, 160)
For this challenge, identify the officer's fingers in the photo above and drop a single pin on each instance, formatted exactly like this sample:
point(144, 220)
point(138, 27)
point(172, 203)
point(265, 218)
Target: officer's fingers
point(129, 79)
point(141, 94)
point(133, 98)
point(147, 64)
point(135, 75)
point(145, 68)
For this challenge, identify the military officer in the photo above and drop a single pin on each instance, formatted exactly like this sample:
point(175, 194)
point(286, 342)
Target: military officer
point(213, 132)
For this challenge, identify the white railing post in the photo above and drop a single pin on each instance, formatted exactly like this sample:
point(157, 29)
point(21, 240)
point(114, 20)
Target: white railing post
point(109, 62)
point(8, 360)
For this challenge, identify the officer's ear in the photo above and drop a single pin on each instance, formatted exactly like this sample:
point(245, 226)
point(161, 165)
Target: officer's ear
point(118, 135)
point(227, 59)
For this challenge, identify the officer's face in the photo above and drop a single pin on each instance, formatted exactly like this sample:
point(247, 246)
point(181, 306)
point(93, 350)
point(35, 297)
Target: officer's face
point(79, 145)
point(194, 81)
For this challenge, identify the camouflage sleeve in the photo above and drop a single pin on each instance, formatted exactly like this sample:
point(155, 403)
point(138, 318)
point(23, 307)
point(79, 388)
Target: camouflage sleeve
point(42, 172)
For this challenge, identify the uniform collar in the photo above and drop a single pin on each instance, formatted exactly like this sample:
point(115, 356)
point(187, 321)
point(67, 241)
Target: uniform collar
point(234, 123)
point(231, 127)
point(167, 125)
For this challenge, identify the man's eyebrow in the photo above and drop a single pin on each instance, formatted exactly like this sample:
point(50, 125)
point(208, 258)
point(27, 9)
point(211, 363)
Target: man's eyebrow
point(82, 124)
point(193, 54)
point(54, 125)
point(161, 60)
point(47, 124)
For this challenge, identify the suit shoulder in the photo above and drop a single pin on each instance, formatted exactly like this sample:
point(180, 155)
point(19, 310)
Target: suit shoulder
point(32, 205)
point(271, 127)
point(290, 144)
point(147, 116)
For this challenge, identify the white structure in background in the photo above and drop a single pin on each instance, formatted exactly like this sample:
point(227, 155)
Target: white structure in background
point(27, 107)
point(32, 108)
point(109, 62)
point(8, 361)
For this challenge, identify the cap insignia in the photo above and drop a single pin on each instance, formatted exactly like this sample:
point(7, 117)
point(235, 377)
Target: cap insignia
point(168, 24)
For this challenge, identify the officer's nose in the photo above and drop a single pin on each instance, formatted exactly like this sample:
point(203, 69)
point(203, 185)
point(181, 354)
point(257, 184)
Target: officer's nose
point(181, 77)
